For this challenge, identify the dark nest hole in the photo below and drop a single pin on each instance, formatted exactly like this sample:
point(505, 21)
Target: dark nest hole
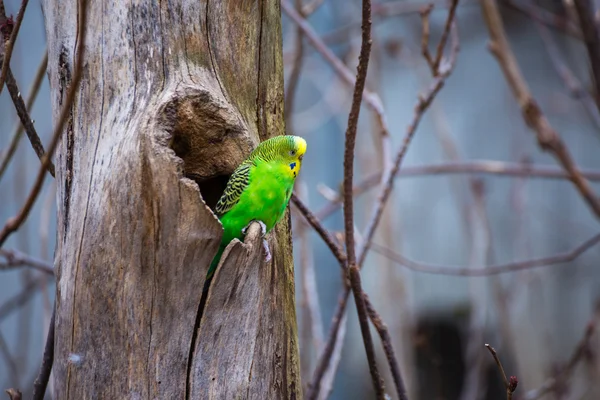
point(211, 187)
point(208, 136)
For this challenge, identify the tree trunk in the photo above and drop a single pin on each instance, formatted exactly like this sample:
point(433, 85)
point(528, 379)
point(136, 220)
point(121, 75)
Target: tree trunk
point(174, 96)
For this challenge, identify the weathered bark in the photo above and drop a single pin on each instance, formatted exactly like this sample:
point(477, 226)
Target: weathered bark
point(171, 91)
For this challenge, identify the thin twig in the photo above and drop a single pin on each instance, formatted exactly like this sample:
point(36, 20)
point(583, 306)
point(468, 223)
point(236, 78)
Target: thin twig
point(11, 43)
point(490, 270)
point(22, 112)
point(425, 37)
point(20, 299)
point(325, 357)
point(318, 226)
point(295, 72)
point(14, 394)
point(312, 325)
point(548, 139)
point(336, 356)
point(388, 181)
point(386, 341)
point(33, 92)
point(509, 384)
point(545, 17)
point(585, 12)
point(11, 363)
point(575, 87)
point(16, 259)
point(41, 381)
point(552, 383)
point(486, 167)
point(349, 149)
point(442, 43)
point(386, 187)
point(372, 100)
point(14, 223)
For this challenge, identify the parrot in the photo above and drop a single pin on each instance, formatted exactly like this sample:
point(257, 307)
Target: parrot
point(258, 190)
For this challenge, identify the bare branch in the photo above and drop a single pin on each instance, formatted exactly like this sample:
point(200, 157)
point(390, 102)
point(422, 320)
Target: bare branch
point(11, 43)
point(33, 92)
point(41, 381)
point(350, 144)
point(372, 100)
point(548, 139)
point(509, 384)
point(578, 354)
point(442, 43)
point(585, 12)
point(22, 112)
point(545, 17)
point(14, 394)
point(16, 259)
point(320, 229)
point(14, 223)
point(386, 341)
point(388, 181)
point(20, 299)
point(323, 363)
point(490, 270)
point(575, 87)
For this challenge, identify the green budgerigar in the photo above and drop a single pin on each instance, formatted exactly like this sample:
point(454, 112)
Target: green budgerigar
point(259, 190)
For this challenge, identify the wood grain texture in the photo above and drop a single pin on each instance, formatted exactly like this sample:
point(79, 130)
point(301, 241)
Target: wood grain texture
point(170, 90)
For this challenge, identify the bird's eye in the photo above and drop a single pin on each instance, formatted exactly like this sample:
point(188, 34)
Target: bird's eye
point(292, 152)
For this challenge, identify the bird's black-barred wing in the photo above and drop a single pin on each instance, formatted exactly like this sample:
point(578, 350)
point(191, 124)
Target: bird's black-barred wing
point(235, 186)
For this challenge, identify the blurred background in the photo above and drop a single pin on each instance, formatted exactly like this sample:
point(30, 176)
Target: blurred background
point(536, 318)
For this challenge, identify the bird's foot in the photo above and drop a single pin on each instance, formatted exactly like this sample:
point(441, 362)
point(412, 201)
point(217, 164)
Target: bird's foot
point(267, 251)
point(263, 229)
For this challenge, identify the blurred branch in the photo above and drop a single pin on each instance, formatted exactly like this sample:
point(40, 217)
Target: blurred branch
point(386, 341)
point(510, 385)
point(41, 381)
point(14, 223)
point(14, 394)
point(487, 167)
point(387, 180)
point(20, 299)
point(16, 259)
point(311, 7)
point(490, 270)
point(14, 31)
point(290, 93)
point(571, 82)
point(11, 364)
point(552, 383)
point(548, 138)
point(545, 17)
point(434, 63)
point(312, 323)
point(585, 12)
point(33, 92)
point(336, 356)
point(372, 100)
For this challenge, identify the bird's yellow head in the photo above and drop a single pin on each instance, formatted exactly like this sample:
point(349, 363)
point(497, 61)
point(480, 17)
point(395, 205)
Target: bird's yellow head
point(287, 148)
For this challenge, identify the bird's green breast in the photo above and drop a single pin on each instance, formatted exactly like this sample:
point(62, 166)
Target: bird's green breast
point(265, 199)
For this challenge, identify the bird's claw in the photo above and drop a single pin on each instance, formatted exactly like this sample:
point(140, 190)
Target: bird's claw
point(263, 229)
point(267, 251)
